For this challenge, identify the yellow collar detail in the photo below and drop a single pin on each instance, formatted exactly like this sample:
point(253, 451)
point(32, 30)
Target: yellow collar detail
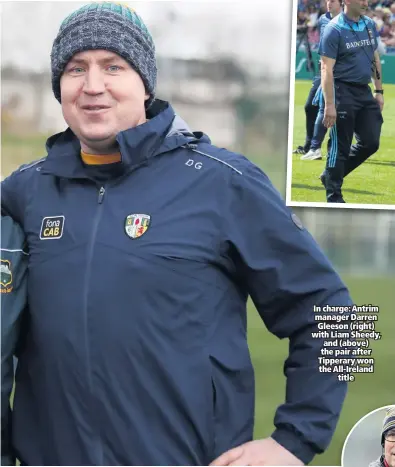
point(101, 159)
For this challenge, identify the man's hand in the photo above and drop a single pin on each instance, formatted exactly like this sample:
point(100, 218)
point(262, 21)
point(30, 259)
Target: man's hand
point(330, 115)
point(260, 452)
point(380, 99)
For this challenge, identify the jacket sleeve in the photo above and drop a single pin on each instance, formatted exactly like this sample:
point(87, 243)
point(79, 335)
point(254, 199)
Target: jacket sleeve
point(13, 301)
point(286, 274)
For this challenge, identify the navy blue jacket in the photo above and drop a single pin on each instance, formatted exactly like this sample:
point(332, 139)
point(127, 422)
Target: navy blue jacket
point(13, 286)
point(137, 351)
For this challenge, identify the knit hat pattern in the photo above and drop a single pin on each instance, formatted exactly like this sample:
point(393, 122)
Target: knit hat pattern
point(109, 26)
point(388, 422)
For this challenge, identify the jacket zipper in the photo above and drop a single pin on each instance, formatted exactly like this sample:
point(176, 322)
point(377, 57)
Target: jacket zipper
point(96, 222)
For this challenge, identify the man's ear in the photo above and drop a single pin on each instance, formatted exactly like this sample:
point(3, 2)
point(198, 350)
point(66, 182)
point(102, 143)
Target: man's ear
point(146, 97)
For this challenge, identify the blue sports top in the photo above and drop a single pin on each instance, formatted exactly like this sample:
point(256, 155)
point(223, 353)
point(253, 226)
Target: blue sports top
point(352, 45)
point(323, 21)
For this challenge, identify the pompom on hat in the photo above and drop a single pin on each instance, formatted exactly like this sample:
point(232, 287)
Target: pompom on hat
point(110, 26)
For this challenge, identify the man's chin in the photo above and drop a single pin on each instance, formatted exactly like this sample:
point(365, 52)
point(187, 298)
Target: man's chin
point(97, 135)
point(98, 139)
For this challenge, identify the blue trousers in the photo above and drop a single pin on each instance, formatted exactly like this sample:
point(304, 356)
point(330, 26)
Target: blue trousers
point(357, 113)
point(319, 128)
point(311, 112)
point(315, 130)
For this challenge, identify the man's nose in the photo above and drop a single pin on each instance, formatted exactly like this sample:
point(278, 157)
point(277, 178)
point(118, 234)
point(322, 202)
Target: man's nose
point(94, 82)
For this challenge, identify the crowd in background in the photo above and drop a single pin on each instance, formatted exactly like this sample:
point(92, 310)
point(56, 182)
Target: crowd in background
point(381, 11)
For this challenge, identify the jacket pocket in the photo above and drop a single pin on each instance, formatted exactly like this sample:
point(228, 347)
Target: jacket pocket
point(232, 399)
point(214, 424)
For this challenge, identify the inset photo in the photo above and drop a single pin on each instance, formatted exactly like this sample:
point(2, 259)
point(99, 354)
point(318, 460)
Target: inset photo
point(341, 148)
point(371, 442)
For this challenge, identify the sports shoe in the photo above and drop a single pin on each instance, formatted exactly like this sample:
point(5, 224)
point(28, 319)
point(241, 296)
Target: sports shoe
point(299, 150)
point(312, 155)
point(322, 178)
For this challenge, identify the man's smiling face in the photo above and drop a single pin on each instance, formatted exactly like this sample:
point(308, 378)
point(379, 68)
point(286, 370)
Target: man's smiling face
point(101, 95)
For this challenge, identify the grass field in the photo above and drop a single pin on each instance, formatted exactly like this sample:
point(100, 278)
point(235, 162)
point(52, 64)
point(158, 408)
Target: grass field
point(366, 393)
point(371, 183)
point(17, 150)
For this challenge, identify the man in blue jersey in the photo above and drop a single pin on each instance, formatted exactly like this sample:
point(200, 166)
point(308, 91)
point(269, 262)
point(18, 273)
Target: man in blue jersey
point(315, 131)
point(349, 59)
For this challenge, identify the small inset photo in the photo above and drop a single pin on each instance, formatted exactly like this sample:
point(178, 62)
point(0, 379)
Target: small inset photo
point(371, 442)
point(341, 146)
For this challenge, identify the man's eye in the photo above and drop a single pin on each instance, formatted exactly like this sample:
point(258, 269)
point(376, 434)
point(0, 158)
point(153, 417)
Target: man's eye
point(114, 68)
point(76, 69)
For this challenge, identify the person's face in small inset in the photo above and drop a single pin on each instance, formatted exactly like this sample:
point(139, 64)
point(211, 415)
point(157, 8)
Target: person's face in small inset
point(101, 95)
point(357, 7)
point(389, 447)
point(334, 7)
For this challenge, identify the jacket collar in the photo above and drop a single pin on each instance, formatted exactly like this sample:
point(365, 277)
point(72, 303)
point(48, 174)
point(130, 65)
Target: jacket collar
point(162, 132)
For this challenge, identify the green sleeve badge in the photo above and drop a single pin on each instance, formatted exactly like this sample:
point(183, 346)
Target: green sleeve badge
point(5, 276)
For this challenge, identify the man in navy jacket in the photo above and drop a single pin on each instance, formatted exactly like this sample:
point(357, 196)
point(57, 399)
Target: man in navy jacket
point(145, 241)
point(13, 301)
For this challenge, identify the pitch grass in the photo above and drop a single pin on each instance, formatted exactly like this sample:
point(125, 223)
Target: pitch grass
point(17, 150)
point(368, 392)
point(371, 183)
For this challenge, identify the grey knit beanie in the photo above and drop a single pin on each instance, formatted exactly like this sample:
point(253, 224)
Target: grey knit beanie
point(388, 422)
point(110, 26)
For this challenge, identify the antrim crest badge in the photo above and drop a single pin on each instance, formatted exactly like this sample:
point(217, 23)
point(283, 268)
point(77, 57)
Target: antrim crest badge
point(137, 224)
point(5, 276)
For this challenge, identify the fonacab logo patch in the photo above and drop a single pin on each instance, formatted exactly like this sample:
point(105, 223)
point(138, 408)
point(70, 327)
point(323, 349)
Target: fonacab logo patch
point(52, 228)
